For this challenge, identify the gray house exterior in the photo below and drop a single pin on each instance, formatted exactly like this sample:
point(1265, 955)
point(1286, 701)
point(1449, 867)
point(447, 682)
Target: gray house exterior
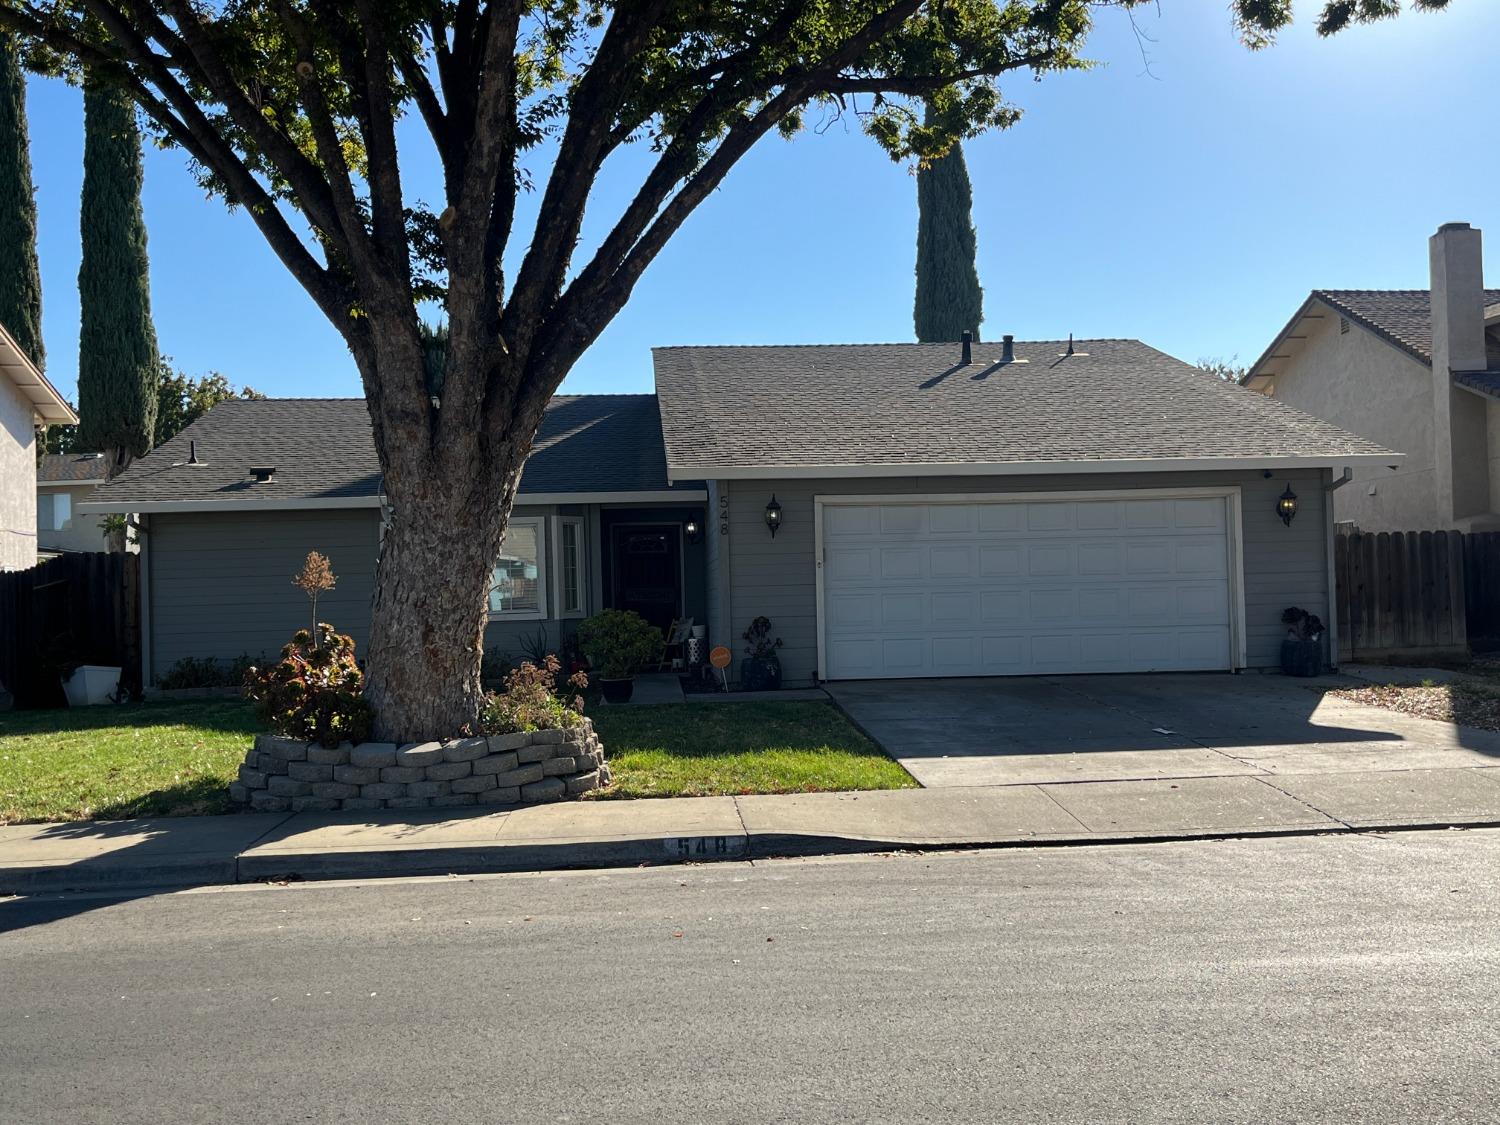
point(1011, 509)
point(64, 481)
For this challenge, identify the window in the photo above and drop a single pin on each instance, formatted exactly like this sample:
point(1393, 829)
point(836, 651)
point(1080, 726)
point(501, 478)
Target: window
point(570, 567)
point(54, 511)
point(517, 585)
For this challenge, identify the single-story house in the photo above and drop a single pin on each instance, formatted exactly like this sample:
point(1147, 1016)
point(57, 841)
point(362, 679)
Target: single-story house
point(27, 401)
point(63, 481)
point(899, 510)
point(1414, 369)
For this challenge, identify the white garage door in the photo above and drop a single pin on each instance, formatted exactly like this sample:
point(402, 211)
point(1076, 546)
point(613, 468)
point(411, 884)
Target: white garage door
point(1023, 588)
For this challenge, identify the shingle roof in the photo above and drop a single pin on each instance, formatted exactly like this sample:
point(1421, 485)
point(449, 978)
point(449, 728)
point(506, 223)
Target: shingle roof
point(1402, 316)
point(59, 468)
point(322, 449)
point(913, 404)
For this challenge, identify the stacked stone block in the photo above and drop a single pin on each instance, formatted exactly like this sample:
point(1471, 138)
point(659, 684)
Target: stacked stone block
point(526, 768)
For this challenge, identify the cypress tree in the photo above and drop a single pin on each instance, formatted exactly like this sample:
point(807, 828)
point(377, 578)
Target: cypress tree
point(117, 358)
point(20, 279)
point(949, 299)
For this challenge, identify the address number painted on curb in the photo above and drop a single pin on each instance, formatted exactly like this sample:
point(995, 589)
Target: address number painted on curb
point(687, 847)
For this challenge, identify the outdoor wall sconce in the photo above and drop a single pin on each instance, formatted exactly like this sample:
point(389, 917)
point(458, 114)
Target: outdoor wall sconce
point(694, 530)
point(1286, 506)
point(773, 515)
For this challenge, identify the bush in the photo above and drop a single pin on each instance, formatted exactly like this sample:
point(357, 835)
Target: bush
point(617, 642)
point(531, 700)
point(205, 672)
point(314, 691)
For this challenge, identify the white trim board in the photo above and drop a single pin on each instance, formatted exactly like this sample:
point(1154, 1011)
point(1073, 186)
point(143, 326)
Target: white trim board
point(1025, 468)
point(293, 504)
point(1233, 535)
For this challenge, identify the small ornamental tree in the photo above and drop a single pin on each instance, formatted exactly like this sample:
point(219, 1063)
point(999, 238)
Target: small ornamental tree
point(315, 577)
point(289, 110)
point(314, 691)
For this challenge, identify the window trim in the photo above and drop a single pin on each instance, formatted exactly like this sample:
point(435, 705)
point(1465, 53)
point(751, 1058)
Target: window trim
point(542, 593)
point(579, 542)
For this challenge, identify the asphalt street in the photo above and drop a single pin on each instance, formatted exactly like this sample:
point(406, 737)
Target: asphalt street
point(1345, 979)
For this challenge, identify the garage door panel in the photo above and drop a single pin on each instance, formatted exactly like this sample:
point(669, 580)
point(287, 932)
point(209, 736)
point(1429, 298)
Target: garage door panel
point(951, 519)
point(849, 563)
point(900, 562)
point(1046, 560)
point(1010, 588)
point(951, 562)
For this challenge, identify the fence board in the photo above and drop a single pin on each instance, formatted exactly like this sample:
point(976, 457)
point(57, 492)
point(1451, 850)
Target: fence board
point(81, 608)
point(1414, 593)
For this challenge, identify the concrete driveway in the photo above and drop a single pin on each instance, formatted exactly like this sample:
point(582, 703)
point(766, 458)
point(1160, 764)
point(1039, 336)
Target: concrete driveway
point(1028, 731)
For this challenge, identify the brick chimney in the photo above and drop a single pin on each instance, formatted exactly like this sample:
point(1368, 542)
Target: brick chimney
point(1455, 254)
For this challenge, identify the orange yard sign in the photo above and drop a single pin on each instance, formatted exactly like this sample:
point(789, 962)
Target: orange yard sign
point(719, 657)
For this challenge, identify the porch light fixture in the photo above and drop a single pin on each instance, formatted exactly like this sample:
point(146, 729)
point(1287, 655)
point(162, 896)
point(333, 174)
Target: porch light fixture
point(1286, 506)
point(773, 515)
point(693, 530)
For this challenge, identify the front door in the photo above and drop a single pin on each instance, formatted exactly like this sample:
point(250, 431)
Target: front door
point(647, 571)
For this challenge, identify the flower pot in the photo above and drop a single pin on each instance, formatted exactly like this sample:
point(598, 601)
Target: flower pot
point(90, 684)
point(1301, 658)
point(760, 674)
point(617, 691)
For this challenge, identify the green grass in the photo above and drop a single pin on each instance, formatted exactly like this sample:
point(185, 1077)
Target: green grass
point(106, 763)
point(715, 749)
point(177, 759)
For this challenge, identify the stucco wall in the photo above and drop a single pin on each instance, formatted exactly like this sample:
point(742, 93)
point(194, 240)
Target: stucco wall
point(1284, 566)
point(17, 479)
point(1358, 381)
point(82, 533)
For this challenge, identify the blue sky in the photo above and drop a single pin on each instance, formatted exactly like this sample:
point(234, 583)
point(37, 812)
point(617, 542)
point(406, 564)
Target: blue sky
point(1192, 206)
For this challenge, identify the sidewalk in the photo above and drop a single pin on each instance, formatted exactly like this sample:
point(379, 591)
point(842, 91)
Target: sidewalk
point(194, 851)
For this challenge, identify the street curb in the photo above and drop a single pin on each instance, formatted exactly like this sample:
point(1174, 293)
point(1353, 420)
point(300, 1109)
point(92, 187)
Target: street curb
point(488, 859)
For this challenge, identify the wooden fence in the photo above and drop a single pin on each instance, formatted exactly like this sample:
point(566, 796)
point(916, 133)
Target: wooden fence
point(82, 608)
point(1401, 594)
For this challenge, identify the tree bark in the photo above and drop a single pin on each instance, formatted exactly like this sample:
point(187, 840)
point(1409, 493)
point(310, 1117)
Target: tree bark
point(449, 504)
point(427, 622)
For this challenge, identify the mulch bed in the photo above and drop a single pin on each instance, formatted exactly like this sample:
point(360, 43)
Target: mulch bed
point(1471, 705)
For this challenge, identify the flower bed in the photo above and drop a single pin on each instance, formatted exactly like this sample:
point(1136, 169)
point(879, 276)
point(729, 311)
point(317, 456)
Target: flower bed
point(524, 768)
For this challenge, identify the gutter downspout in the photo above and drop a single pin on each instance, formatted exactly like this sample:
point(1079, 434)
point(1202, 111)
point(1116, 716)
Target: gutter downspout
point(1329, 488)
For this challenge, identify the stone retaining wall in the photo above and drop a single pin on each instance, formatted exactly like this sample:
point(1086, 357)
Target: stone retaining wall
point(284, 775)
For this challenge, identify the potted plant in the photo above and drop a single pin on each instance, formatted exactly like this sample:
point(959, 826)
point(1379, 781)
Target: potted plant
point(617, 642)
point(1302, 648)
point(762, 668)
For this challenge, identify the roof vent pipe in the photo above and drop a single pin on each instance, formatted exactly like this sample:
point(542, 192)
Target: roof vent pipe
point(1008, 353)
point(192, 452)
point(968, 347)
point(1070, 343)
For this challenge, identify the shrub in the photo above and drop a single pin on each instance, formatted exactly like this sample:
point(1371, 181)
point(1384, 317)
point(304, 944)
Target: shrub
point(618, 641)
point(761, 646)
point(1301, 625)
point(205, 672)
point(531, 700)
point(314, 691)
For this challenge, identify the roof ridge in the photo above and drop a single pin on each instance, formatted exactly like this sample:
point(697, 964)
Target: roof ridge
point(903, 344)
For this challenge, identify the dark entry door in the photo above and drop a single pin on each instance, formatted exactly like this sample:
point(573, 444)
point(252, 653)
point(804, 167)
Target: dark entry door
point(647, 571)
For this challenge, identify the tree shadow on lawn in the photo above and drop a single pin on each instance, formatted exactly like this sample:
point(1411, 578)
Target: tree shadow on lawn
point(227, 716)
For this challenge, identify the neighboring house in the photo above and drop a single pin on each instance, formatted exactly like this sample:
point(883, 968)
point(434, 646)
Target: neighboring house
point(1417, 370)
point(27, 401)
point(63, 481)
point(1034, 508)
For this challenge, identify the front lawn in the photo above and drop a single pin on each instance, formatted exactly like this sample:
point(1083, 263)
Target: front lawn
point(177, 759)
point(106, 763)
point(716, 749)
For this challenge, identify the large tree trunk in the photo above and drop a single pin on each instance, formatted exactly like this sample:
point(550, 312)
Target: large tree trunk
point(427, 626)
